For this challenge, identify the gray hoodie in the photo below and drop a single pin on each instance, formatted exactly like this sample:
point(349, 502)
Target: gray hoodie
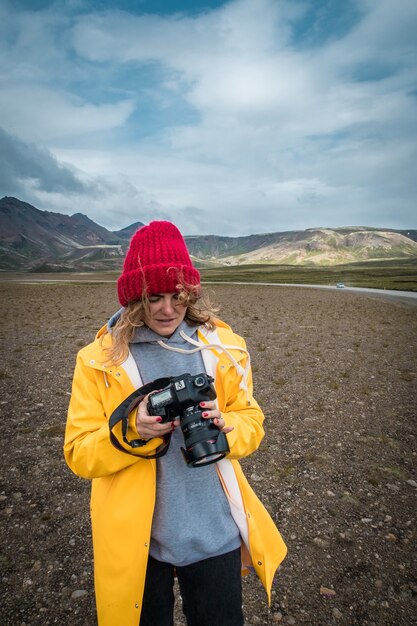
point(192, 519)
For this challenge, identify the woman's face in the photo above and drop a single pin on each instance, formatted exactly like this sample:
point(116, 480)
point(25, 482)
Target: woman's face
point(165, 313)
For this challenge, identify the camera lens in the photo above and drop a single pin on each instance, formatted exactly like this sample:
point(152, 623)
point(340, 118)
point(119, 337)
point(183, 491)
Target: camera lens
point(199, 381)
point(204, 443)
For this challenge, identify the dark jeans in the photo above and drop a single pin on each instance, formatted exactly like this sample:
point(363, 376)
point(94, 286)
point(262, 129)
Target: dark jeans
point(211, 592)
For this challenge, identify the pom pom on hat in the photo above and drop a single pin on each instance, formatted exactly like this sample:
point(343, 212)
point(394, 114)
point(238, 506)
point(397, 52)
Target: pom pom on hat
point(156, 262)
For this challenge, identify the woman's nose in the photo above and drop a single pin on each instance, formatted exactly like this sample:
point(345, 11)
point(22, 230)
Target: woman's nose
point(168, 305)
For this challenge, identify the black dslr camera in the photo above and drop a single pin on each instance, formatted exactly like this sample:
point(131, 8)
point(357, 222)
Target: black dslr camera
point(204, 442)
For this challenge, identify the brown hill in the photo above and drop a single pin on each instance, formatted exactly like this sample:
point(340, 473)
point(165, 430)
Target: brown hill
point(325, 246)
point(30, 237)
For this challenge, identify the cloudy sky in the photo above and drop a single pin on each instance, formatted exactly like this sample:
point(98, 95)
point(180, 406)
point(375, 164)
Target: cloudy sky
point(230, 118)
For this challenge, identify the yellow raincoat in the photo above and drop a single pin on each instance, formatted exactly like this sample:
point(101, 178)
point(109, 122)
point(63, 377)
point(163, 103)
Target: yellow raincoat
point(123, 485)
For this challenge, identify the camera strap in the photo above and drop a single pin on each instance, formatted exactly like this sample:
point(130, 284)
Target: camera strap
point(121, 414)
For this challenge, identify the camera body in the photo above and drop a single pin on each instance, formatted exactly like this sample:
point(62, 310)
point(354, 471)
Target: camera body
point(183, 392)
point(204, 442)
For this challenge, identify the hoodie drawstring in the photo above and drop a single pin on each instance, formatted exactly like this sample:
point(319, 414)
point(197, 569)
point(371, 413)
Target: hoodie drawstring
point(243, 372)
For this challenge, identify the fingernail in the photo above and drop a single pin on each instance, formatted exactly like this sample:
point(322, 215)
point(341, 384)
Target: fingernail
point(158, 419)
point(205, 414)
point(202, 404)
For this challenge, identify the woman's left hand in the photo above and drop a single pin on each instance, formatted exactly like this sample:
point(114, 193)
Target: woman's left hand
point(210, 411)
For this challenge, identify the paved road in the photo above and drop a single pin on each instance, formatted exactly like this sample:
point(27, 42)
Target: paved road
point(410, 297)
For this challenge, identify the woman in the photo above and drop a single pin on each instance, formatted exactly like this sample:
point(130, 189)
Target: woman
point(153, 515)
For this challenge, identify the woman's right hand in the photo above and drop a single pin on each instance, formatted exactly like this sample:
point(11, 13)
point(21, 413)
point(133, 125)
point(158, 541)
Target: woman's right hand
point(149, 426)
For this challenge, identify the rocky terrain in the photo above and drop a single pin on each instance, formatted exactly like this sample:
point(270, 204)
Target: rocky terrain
point(336, 375)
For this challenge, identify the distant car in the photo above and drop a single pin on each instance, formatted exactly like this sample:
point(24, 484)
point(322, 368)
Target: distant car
point(340, 285)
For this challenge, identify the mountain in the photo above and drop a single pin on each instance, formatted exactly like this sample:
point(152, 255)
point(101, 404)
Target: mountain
point(30, 238)
point(126, 233)
point(35, 240)
point(315, 246)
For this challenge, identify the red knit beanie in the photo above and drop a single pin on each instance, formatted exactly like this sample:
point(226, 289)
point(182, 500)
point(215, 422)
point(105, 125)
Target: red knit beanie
point(156, 262)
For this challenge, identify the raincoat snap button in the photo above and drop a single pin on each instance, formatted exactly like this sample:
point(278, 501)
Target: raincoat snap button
point(136, 605)
point(259, 562)
point(117, 373)
point(92, 361)
point(146, 545)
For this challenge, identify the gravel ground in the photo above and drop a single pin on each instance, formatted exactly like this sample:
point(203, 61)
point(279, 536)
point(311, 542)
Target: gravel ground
point(335, 373)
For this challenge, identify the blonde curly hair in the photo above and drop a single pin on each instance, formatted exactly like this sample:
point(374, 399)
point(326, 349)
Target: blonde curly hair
point(200, 311)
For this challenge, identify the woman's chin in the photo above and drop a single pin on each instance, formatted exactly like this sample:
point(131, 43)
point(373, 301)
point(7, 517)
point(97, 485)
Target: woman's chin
point(166, 329)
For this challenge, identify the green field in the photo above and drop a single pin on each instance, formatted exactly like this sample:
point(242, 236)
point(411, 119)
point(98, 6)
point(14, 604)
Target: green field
point(396, 274)
point(399, 274)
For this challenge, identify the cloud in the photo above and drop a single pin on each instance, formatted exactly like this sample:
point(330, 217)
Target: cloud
point(253, 116)
point(224, 58)
point(186, 43)
point(47, 95)
point(25, 166)
point(53, 115)
point(238, 63)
